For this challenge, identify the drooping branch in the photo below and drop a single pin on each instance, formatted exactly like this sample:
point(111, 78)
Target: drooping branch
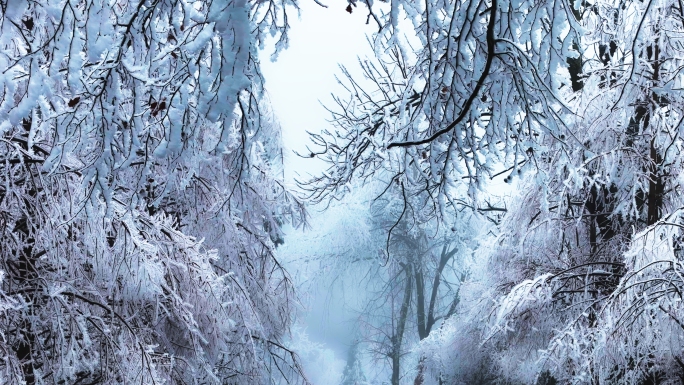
point(465, 109)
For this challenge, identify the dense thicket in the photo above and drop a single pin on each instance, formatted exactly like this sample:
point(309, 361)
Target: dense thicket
point(140, 196)
point(579, 105)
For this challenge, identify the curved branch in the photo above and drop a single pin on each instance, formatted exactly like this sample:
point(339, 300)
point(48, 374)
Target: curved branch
point(491, 43)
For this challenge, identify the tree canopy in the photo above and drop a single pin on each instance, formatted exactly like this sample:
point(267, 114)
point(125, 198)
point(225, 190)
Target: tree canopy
point(577, 105)
point(142, 201)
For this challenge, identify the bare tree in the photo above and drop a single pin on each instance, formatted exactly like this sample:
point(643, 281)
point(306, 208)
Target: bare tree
point(463, 106)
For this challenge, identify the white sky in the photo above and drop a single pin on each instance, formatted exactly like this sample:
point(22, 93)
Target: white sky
point(304, 74)
point(302, 77)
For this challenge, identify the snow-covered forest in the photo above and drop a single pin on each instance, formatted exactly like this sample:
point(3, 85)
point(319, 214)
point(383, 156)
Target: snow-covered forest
point(496, 197)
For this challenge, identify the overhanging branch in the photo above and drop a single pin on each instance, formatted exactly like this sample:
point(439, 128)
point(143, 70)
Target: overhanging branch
point(491, 43)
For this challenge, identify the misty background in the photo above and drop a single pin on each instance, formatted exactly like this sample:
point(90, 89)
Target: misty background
point(299, 82)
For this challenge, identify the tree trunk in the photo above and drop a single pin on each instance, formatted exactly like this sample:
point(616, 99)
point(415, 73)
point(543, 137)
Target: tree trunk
point(401, 325)
point(425, 325)
point(656, 186)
